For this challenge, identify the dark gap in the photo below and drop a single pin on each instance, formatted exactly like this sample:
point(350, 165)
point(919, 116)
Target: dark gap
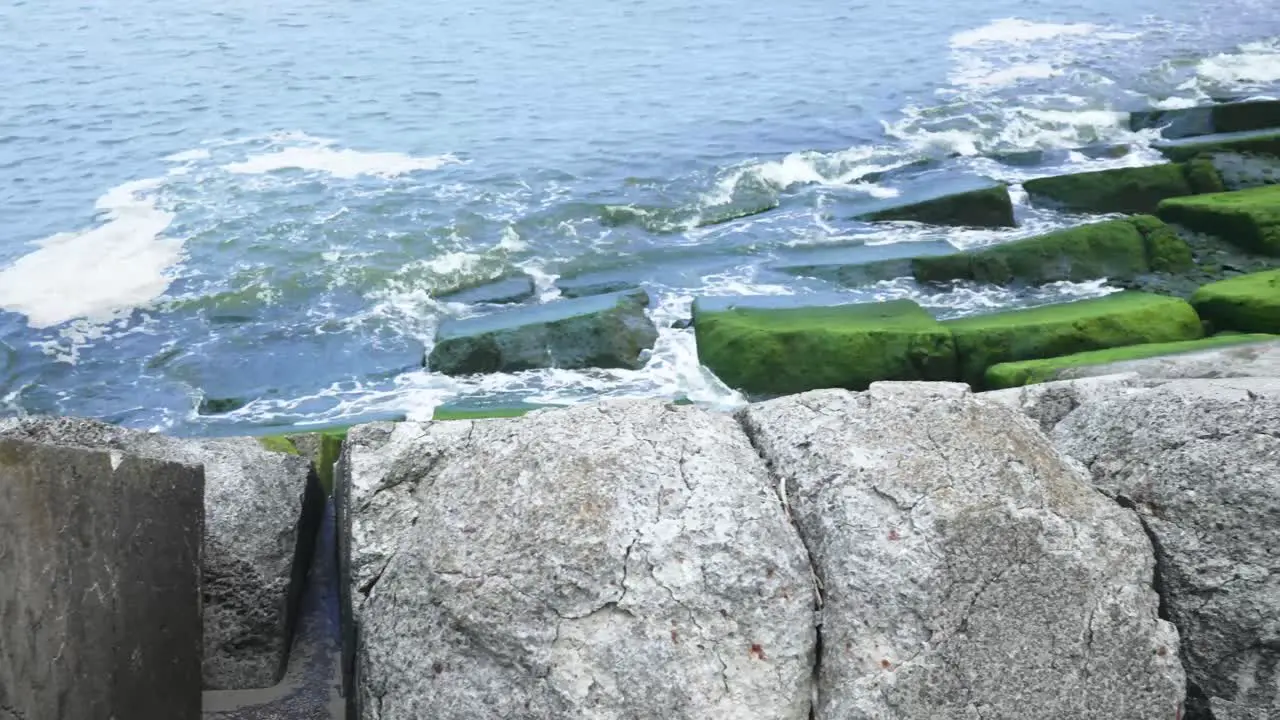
point(313, 502)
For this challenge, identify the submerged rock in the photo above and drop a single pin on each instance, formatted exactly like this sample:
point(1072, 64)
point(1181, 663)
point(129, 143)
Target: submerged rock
point(967, 569)
point(1199, 460)
point(507, 290)
point(1113, 249)
point(1118, 190)
point(985, 206)
point(602, 331)
point(261, 510)
point(621, 560)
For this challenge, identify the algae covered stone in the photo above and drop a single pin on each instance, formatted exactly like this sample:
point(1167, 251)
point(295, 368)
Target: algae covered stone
point(1113, 249)
point(1119, 190)
point(602, 331)
point(1249, 219)
point(1264, 142)
point(772, 351)
point(1026, 372)
point(1126, 318)
point(983, 207)
point(1248, 303)
point(862, 264)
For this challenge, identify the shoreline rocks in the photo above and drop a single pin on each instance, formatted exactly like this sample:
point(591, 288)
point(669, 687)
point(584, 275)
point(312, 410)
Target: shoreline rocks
point(261, 510)
point(967, 569)
point(1198, 460)
point(600, 331)
point(99, 584)
point(627, 559)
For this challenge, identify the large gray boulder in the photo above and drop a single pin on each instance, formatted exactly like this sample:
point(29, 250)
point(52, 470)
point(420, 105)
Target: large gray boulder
point(99, 585)
point(968, 570)
point(628, 559)
point(600, 331)
point(1200, 460)
point(261, 510)
point(1049, 403)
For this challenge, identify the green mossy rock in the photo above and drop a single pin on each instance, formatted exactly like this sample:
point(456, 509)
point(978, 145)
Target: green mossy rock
point(445, 412)
point(1203, 175)
point(1266, 142)
point(1249, 219)
point(985, 207)
point(1248, 303)
point(601, 331)
point(1127, 318)
point(278, 443)
point(1121, 190)
point(768, 351)
point(1227, 117)
point(1028, 372)
point(1114, 249)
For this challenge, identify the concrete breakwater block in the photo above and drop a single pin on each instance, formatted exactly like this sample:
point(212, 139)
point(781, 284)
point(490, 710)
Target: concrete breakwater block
point(602, 331)
point(1177, 123)
point(962, 202)
point(99, 585)
point(261, 510)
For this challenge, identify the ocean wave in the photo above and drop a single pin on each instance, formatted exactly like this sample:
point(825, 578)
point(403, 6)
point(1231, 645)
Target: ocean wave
point(320, 155)
point(1255, 66)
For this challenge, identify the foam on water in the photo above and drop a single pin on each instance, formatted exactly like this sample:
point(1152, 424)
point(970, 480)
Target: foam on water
point(1016, 31)
point(1255, 66)
point(99, 273)
point(304, 152)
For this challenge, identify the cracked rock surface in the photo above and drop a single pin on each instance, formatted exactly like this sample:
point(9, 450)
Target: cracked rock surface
point(1200, 461)
point(968, 570)
point(253, 502)
point(627, 559)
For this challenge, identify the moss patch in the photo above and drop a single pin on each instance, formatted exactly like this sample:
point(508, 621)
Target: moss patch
point(788, 350)
point(1127, 318)
point(1249, 219)
point(1249, 303)
point(1251, 143)
point(1203, 176)
point(1120, 190)
point(987, 207)
point(460, 413)
point(1115, 249)
point(278, 443)
point(1028, 372)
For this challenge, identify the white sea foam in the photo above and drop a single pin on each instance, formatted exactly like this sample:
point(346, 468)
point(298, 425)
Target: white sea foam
point(842, 168)
point(188, 156)
point(99, 273)
point(1016, 31)
point(1255, 65)
point(341, 163)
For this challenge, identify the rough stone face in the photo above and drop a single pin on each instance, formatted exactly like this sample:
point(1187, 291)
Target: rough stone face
point(621, 560)
point(1050, 402)
point(969, 571)
point(258, 533)
point(1200, 459)
point(99, 585)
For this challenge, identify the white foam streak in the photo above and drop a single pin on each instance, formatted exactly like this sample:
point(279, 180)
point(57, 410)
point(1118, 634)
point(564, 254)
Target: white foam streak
point(1257, 64)
point(100, 273)
point(1015, 31)
point(340, 163)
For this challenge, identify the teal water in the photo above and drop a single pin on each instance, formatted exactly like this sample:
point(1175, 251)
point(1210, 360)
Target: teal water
point(226, 199)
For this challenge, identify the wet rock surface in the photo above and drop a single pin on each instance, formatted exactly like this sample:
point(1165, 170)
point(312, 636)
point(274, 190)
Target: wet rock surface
point(1199, 461)
point(261, 508)
point(968, 570)
point(624, 559)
